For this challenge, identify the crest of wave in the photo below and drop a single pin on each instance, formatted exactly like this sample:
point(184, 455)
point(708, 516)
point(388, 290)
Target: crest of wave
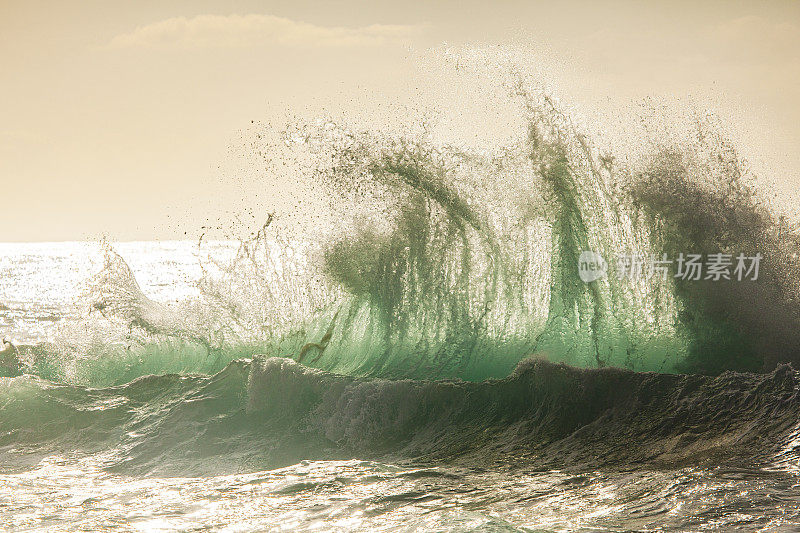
point(441, 260)
point(461, 262)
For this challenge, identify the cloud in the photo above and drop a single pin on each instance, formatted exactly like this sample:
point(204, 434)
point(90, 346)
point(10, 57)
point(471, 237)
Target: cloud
point(217, 31)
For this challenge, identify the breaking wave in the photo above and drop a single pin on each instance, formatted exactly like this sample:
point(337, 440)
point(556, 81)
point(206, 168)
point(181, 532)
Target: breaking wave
point(272, 412)
point(436, 311)
point(437, 261)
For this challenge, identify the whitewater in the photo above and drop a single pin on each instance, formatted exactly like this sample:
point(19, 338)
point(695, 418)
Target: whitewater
point(425, 357)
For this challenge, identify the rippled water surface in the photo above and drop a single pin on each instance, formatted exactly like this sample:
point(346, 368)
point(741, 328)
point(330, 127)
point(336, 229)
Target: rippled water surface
point(60, 493)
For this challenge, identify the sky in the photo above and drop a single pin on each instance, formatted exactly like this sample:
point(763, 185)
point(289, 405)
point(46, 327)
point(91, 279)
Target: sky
point(133, 120)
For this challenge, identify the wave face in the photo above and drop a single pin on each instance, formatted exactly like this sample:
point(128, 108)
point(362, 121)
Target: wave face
point(272, 412)
point(268, 441)
point(439, 262)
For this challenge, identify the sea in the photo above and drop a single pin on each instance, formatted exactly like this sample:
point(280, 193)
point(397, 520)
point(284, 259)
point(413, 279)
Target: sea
point(428, 359)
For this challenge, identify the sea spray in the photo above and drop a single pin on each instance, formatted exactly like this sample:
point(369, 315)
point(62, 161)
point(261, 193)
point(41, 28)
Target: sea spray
point(438, 261)
point(701, 198)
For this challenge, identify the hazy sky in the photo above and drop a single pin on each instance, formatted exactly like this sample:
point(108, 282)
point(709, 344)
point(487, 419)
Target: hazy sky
point(127, 118)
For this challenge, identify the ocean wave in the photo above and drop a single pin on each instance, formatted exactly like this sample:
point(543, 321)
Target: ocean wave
point(270, 412)
point(435, 261)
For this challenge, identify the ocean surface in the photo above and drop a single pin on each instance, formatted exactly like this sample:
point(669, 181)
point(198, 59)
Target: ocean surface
point(426, 358)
